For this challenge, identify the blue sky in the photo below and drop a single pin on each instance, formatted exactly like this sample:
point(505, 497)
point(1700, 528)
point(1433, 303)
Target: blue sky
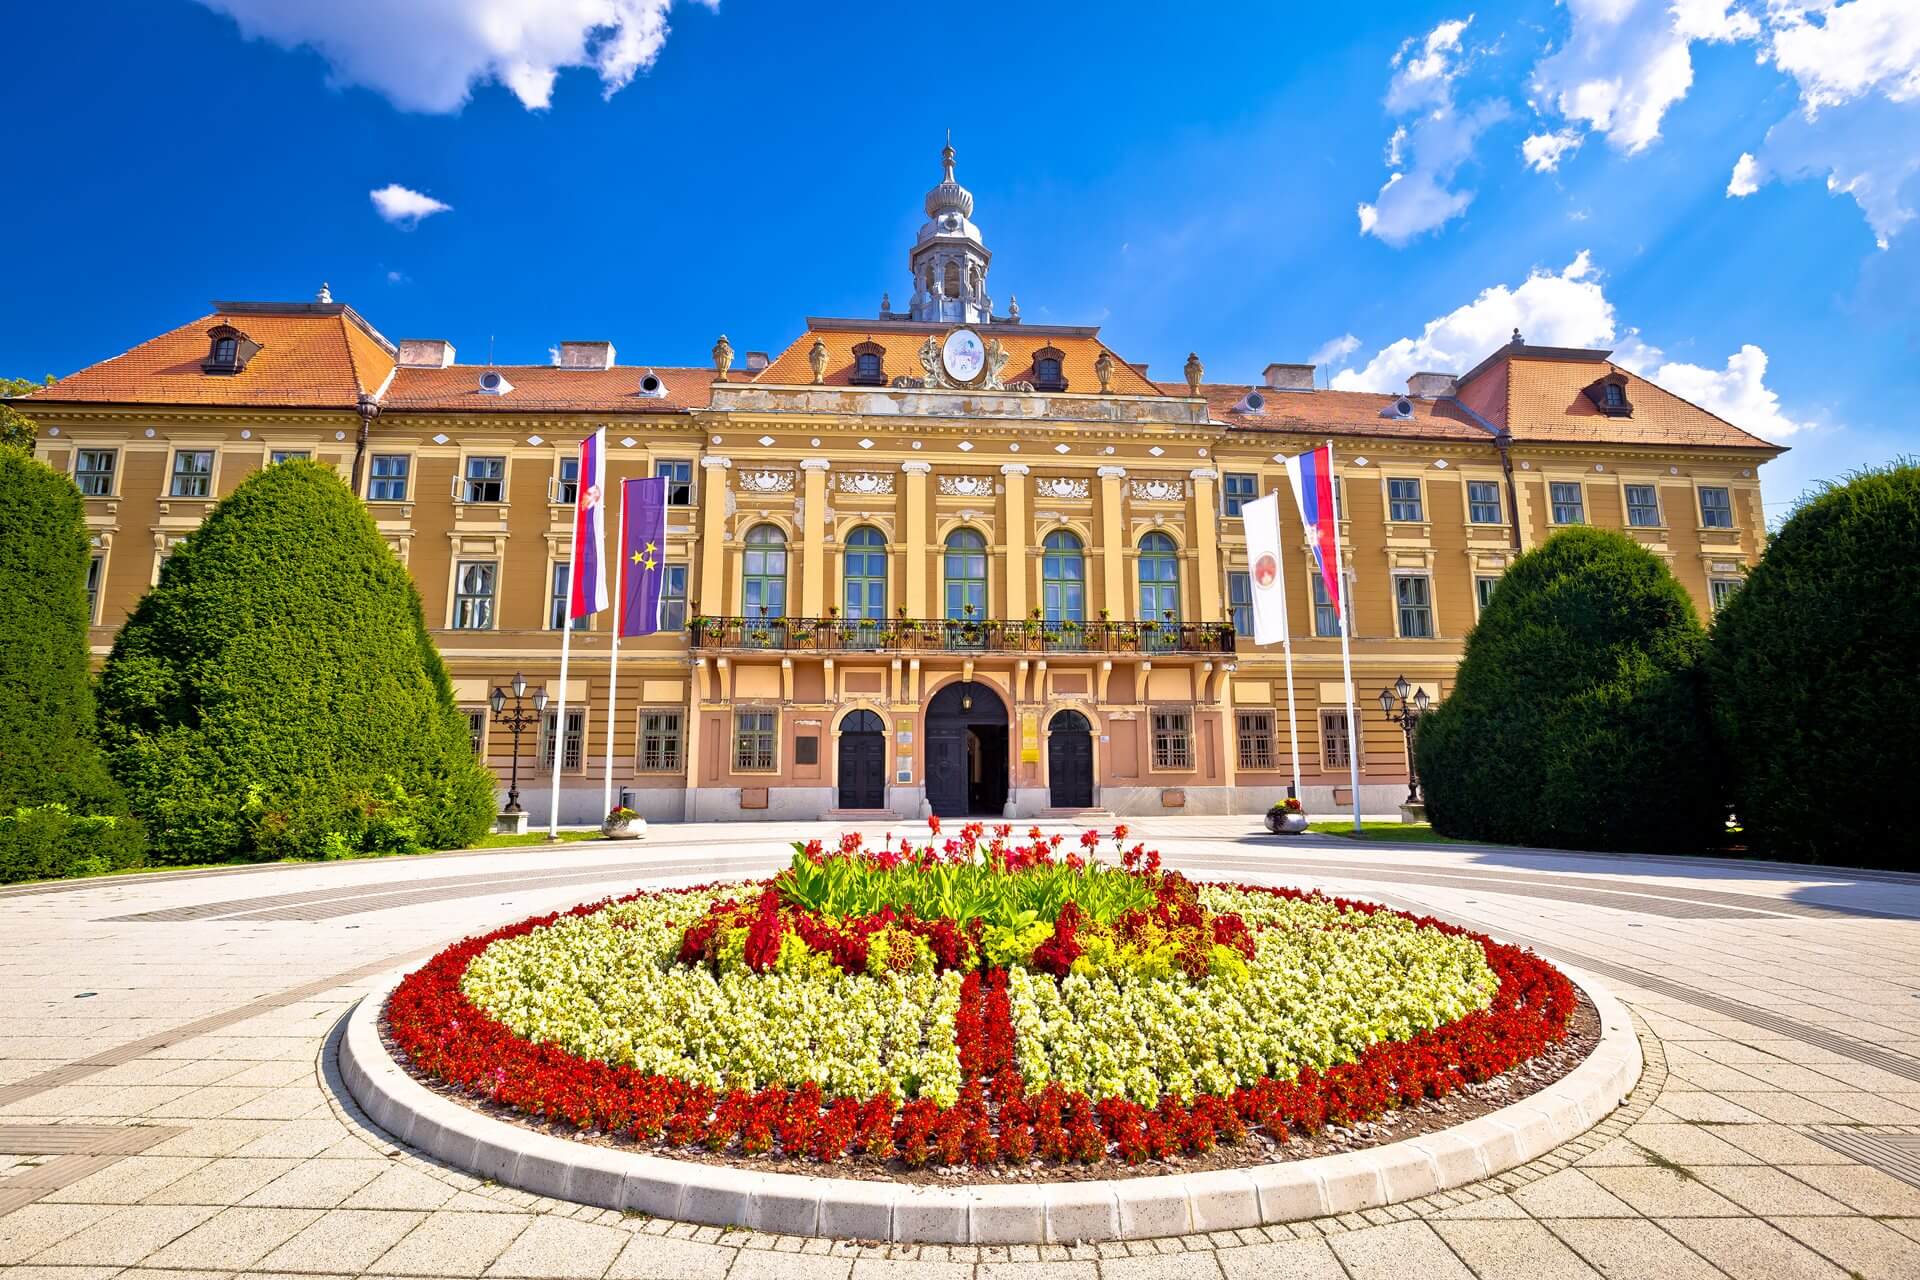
point(1724, 193)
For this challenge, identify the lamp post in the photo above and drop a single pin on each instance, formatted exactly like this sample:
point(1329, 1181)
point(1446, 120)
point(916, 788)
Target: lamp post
point(516, 722)
point(1406, 713)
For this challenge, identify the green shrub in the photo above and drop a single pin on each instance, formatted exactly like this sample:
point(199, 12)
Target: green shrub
point(47, 842)
point(277, 694)
point(48, 753)
point(1576, 718)
point(1812, 665)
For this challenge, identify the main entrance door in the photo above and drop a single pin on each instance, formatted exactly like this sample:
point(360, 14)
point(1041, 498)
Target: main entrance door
point(863, 762)
point(1070, 761)
point(967, 751)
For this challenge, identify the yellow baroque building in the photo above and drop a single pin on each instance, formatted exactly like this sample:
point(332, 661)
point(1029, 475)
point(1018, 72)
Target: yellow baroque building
point(938, 558)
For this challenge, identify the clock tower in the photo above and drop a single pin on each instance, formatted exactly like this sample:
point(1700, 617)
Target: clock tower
point(949, 260)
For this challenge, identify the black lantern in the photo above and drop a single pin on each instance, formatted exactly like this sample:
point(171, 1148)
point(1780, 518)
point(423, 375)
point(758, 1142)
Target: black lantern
point(1406, 712)
point(517, 721)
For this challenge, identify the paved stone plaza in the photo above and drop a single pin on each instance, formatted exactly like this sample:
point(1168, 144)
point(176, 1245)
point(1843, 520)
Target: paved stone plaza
point(169, 1105)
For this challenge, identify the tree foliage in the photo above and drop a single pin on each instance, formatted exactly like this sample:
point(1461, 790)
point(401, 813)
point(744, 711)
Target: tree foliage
point(1576, 718)
point(277, 693)
point(15, 427)
point(1812, 666)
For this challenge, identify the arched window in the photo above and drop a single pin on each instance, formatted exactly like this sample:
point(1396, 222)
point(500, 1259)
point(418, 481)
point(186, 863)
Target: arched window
point(1159, 580)
point(1063, 578)
point(869, 365)
point(966, 575)
point(766, 573)
point(866, 575)
point(952, 283)
point(224, 350)
point(1049, 369)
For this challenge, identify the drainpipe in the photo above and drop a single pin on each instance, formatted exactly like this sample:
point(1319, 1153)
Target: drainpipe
point(368, 408)
point(1504, 443)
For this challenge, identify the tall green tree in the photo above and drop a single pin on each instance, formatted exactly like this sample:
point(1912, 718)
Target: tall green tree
point(1577, 719)
point(277, 693)
point(1812, 667)
point(15, 427)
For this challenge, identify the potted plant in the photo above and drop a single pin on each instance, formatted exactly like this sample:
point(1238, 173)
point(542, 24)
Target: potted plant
point(1287, 817)
point(620, 823)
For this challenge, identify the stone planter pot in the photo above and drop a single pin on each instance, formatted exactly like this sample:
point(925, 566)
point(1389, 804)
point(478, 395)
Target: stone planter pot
point(1282, 823)
point(631, 829)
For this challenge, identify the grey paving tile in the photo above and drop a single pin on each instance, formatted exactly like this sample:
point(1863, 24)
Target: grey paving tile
point(1513, 1250)
point(555, 1246)
point(1662, 1192)
point(768, 1264)
point(401, 1187)
point(1301, 1259)
point(1632, 1249)
point(1397, 1251)
point(318, 1184)
point(1862, 1189)
point(1570, 1194)
point(1750, 1249)
point(1860, 1245)
point(233, 1238)
point(345, 1240)
point(125, 1236)
point(35, 1227)
point(452, 1244)
point(221, 1182)
point(1767, 1192)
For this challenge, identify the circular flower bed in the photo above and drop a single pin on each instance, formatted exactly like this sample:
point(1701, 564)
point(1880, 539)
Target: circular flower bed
point(977, 1002)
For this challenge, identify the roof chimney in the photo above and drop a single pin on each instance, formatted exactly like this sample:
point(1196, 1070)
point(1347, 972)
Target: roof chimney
point(1290, 377)
point(586, 355)
point(426, 353)
point(1430, 386)
point(756, 361)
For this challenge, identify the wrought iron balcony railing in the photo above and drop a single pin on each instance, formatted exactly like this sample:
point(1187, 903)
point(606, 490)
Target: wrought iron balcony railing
point(964, 635)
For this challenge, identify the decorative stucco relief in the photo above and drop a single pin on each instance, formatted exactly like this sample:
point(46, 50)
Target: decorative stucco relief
point(865, 482)
point(967, 486)
point(764, 481)
point(1159, 490)
point(1061, 487)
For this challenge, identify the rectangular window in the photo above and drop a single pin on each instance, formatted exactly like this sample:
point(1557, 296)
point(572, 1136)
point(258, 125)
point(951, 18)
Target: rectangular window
point(473, 595)
point(476, 728)
point(753, 742)
point(679, 478)
point(673, 598)
point(1413, 594)
point(486, 480)
point(1716, 508)
point(96, 573)
point(1325, 621)
point(659, 742)
point(192, 474)
point(1240, 602)
point(1483, 591)
point(1483, 501)
point(1173, 740)
point(1403, 501)
point(288, 455)
point(1238, 489)
point(1336, 751)
point(573, 749)
point(557, 598)
point(1256, 739)
point(1643, 506)
point(93, 472)
point(1569, 506)
point(1720, 590)
point(389, 482)
point(567, 492)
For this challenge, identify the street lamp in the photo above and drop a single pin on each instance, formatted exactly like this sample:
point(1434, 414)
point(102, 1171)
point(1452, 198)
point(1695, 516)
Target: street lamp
point(516, 722)
point(1406, 713)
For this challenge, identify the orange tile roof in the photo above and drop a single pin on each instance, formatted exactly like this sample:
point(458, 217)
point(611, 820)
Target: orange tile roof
point(902, 358)
point(544, 388)
point(1546, 403)
point(1336, 413)
point(313, 356)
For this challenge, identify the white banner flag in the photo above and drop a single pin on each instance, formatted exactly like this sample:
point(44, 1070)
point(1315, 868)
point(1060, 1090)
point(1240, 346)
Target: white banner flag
point(1264, 570)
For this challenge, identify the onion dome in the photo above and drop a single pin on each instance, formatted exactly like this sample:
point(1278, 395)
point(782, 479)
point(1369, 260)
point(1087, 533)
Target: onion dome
point(949, 196)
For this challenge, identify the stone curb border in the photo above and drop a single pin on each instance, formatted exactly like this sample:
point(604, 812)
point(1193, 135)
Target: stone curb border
point(999, 1213)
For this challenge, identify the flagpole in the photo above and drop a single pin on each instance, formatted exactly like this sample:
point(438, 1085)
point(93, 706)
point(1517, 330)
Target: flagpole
point(1286, 642)
point(559, 738)
point(613, 668)
point(1342, 607)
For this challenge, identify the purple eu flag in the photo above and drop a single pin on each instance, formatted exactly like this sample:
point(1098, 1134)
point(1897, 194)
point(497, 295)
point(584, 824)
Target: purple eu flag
point(643, 554)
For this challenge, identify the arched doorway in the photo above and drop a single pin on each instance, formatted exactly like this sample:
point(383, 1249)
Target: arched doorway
point(863, 761)
point(1069, 761)
point(967, 751)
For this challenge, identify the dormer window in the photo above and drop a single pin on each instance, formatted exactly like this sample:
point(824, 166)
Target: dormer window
point(228, 350)
point(1609, 395)
point(1048, 372)
point(869, 365)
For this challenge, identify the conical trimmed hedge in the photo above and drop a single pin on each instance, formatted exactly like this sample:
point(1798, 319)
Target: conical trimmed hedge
point(1813, 666)
point(1576, 718)
point(277, 693)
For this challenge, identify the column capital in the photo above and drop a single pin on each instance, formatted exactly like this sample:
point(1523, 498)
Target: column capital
point(913, 466)
point(1014, 469)
point(714, 460)
point(815, 464)
point(1113, 473)
point(1203, 473)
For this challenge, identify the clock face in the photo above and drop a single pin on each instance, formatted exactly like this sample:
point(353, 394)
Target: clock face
point(963, 355)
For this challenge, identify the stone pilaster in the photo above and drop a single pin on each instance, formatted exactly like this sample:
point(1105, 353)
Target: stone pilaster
point(1203, 544)
point(714, 500)
point(814, 568)
point(1017, 532)
point(1115, 597)
point(916, 549)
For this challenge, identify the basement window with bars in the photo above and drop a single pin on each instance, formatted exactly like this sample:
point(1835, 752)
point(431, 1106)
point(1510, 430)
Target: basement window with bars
point(573, 750)
point(1173, 739)
point(660, 740)
point(1255, 732)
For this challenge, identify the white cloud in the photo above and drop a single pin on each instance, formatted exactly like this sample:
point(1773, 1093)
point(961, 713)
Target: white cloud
point(1334, 351)
point(1569, 308)
point(1745, 179)
point(428, 55)
point(1426, 152)
point(1857, 48)
point(1423, 79)
point(404, 207)
point(396, 277)
point(1544, 151)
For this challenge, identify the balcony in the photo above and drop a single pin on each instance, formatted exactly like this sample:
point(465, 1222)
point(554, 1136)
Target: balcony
point(963, 636)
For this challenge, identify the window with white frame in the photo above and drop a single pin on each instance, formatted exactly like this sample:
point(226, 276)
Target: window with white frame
point(1483, 588)
point(754, 741)
point(93, 471)
point(1254, 730)
point(1716, 507)
point(1483, 501)
point(1413, 600)
point(1237, 489)
point(1643, 506)
point(388, 482)
point(1172, 738)
point(1325, 621)
point(96, 574)
point(192, 474)
point(1569, 505)
point(1336, 749)
point(567, 492)
point(1721, 590)
point(660, 739)
point(560, 596)
point(289, 455)
point(573, 748)
point(476, 728)
point(486, 480)
point(1403, 502)
point(673, 598)
point(678, 473)
point(473, 587)
point(1240, 602)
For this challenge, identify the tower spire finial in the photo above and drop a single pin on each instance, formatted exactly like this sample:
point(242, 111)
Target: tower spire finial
point(946, 157)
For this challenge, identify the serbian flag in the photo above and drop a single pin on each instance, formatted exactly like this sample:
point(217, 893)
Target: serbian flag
point(643, 554)
point(1312, 478)
point(588, 592)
